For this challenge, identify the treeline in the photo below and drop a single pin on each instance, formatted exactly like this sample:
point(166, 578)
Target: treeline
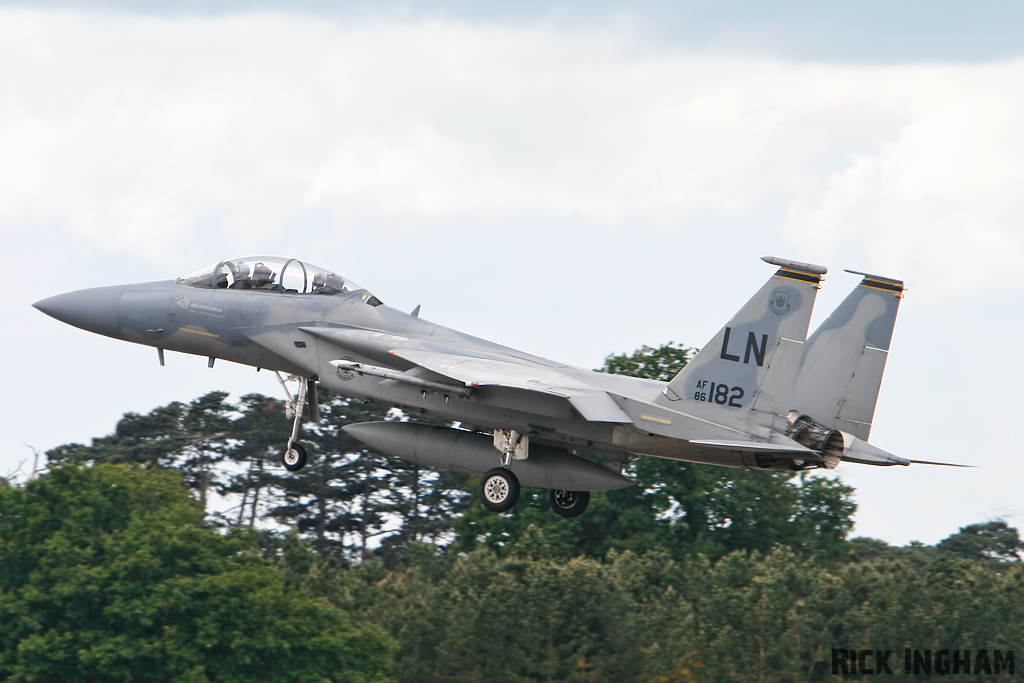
point(527, 614)
point(696, 573)
point(109, 573)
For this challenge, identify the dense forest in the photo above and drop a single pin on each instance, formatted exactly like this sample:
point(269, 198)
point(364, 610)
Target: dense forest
point(178, 548)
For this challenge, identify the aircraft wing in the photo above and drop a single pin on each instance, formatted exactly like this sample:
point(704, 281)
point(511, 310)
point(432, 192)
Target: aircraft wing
point(475, 371)
point(482, 369)
point(593, 404)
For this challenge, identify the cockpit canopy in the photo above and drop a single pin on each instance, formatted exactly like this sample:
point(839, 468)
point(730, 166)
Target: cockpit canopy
point(272, 274)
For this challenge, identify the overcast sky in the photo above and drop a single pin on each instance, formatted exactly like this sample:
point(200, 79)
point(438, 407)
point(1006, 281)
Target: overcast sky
point(573, 179)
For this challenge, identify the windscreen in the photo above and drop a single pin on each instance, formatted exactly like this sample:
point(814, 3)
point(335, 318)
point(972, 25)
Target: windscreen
point(270, 274)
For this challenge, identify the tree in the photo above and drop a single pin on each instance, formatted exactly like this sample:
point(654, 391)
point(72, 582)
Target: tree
point(993, 544)
point(153, 440)
point(354, 501)
point(352, 498)
point(334, 500)
point(661, 363)
point(187, 437)
point(257, 437)
point(108, 574)
point(204, 425)
point(996, 541)
point(346, 499)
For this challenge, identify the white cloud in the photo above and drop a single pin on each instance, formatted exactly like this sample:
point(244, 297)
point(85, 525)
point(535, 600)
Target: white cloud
point(417, 172)
point(143, 134)
point(941, 196)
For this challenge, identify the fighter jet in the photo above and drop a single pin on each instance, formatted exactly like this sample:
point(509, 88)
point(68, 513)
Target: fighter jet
point(759, 395)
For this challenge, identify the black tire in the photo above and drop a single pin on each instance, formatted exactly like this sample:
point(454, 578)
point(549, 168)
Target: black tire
point(294, 458)
point(499, 489)
point(569, 503)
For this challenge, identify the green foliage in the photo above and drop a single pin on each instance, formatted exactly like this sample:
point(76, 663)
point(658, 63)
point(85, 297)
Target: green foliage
point(990, 541)
point(353, 495)
point(108, 574)
point(346, 500)
point(686, 509)
point(187, 437)
point(525, 613)
point(994, 544)
point(662, 363)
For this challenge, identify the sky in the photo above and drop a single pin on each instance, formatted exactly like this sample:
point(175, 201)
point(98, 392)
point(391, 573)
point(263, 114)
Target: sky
point(572, 179)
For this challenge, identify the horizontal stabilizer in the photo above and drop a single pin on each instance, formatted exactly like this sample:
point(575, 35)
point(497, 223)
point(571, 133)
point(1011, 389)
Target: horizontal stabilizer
point(862, 452)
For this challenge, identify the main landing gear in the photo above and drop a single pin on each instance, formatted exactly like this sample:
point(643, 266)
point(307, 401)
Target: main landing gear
point(499, 492)
point(294, 456)
point(499, 487)
point(569, 503)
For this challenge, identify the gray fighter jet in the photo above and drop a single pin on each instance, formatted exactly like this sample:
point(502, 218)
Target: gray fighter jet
point(759, 395)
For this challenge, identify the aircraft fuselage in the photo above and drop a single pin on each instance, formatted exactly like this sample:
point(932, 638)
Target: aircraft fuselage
point(286, 332)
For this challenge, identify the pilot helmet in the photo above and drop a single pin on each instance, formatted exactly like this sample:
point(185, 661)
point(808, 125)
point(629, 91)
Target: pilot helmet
point(333, 283)
point(329, 283)
point(261, 273)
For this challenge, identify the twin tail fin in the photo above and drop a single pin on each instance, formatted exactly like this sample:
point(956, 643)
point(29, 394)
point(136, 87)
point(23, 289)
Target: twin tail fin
point(755, 356)
point(845, 357)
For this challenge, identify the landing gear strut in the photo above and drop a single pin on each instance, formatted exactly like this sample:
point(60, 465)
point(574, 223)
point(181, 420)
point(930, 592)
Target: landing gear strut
point(294, 456)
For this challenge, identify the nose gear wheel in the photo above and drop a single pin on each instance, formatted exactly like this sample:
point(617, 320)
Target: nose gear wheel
point(294, 457)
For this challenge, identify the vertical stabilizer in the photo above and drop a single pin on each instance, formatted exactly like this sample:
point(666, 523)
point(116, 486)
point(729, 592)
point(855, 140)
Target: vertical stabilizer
point(844, 359)
point(732, 370)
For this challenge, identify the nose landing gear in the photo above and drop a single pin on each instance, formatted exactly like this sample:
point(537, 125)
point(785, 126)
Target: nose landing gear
point(294, 456)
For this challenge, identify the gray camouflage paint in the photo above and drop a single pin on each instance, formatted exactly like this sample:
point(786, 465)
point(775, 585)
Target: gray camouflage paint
point(585, 410)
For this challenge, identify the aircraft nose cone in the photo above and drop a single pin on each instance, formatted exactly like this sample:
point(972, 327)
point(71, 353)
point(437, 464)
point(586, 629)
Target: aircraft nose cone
point(94, 310)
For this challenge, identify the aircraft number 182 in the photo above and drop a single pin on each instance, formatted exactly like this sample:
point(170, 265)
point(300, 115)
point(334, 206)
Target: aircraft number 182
point(722, 394)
